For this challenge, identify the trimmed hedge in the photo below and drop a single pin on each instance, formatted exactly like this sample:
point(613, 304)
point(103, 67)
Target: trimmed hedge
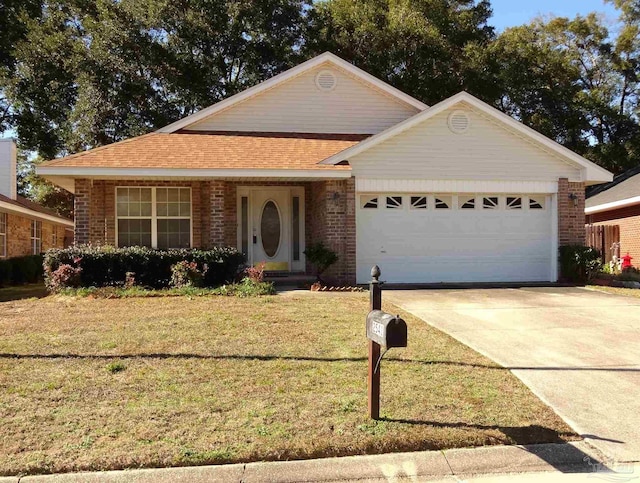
point(579, 264)
point(104, 266)
point(20, 270)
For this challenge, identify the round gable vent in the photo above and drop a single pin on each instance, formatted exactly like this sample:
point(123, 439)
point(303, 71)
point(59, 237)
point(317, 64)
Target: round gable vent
point(459, 122)
point(326, 80)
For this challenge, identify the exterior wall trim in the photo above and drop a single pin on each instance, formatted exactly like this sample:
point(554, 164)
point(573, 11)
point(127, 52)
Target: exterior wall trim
point(454, 186)
point(613, 205)
point(34, 214)
point(169, 173)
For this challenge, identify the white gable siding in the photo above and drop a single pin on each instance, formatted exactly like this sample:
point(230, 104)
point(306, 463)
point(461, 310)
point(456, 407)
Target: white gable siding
point(487, 151)
point(297, 105)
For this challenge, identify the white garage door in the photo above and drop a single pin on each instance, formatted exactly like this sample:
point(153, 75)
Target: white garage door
point(432, 238)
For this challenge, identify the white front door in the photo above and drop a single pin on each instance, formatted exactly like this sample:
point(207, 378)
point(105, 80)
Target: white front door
point(270, 226)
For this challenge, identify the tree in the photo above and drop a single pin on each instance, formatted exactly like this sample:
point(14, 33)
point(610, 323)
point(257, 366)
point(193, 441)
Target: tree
point(430, 49)
point(567, 79)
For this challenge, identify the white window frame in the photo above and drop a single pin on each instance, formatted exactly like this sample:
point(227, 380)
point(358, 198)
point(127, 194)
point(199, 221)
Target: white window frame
point(36, 237)
point(4, 221)
point(154, 216)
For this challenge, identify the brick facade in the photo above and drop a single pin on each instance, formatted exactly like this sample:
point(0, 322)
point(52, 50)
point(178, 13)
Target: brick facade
point(571, 217)
point(329, 214)
point(628, 219)
point(19, 235)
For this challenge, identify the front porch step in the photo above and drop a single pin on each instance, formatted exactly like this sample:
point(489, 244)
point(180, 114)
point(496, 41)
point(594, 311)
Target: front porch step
point(297, 279)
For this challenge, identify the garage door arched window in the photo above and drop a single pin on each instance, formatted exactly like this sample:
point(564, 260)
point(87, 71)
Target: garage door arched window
point(394, 202)
point(490, 203)
point(514, 203)
point(467, 202)
point(369, 202)
point(536, 203)
point(418, 202)
point(442, 202)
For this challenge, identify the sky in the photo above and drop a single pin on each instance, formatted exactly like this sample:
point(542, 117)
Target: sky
point(509, 13)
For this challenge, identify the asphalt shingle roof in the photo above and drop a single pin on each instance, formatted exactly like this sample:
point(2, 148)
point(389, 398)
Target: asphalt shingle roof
point(216, 150)
point(623, 186)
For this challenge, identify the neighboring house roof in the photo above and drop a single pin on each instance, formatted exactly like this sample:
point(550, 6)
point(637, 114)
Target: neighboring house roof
point(593, 172)
point(623, 191)
point(27, 207)
point(209, 153)
point(327, 57)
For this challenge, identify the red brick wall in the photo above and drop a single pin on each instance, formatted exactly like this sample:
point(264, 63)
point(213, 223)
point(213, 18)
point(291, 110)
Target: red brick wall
point(333, 221)
point(628, 219)
point(19, 235)
point(571, 217)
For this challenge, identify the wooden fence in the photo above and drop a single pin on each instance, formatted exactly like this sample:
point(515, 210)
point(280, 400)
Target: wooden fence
point(602, 238)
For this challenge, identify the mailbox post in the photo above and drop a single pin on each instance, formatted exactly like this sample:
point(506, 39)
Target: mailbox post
point(382, 330)
point(375, 294)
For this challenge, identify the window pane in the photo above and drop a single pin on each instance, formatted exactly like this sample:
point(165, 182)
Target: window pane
point(174, 233)
point(3, 245)
point(185, 209)
point(296, 228)
point(161, 194)
point(134, 194)
point(123, 209)
point(173, 194)
point(145, 194)
point(134, 232)
point(161, 209)
point(185, 195)
point(145, 209)
point(134, 209)
point(173, 209)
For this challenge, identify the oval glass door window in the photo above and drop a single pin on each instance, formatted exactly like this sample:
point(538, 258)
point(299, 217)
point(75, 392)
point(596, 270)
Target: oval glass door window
point(270, 229)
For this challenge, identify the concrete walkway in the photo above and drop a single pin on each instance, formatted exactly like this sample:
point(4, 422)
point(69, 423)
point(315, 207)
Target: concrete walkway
point(577, 349)
point(551, 462)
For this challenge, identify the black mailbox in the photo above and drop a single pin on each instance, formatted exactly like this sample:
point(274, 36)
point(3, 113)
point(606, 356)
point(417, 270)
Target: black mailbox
point(386, 329)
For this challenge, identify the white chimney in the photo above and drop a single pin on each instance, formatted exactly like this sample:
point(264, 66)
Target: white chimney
point(8, 168)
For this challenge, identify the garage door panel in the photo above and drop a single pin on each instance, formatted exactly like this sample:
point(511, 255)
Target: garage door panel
point(454, 245)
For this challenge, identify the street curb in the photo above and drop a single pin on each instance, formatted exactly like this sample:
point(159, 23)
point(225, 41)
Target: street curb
point(576, 457)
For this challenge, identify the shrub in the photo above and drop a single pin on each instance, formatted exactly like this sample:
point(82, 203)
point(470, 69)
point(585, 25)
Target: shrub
point(187, 274)
point(247, 288)
point(255, 273)
point(21, 270)
point(104, 266)
point(64, 276)
point(321, 257)
point(579, 264)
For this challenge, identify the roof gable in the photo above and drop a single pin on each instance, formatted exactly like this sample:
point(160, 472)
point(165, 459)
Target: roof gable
point(389, 98)
point(591, 172)
point(623, 191)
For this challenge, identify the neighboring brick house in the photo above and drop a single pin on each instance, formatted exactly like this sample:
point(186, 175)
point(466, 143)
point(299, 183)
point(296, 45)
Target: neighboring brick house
point(456, 192)
point(618, 203)
point(26, 228)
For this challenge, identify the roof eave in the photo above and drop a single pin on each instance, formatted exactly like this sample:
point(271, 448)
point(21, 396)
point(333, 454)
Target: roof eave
point(23, 210)
point(614, 205)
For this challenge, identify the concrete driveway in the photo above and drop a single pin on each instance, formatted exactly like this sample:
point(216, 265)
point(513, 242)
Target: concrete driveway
point(577, 349)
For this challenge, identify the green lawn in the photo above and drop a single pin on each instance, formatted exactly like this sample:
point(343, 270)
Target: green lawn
point(102, 384)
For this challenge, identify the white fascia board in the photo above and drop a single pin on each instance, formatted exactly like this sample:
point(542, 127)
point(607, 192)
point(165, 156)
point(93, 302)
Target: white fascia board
point(613, 205)
point(123, 173)
point(285, 76)
point(593, 172)
point(417, 186)
point(33, 214)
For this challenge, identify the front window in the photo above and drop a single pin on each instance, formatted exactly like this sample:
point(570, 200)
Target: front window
point(36, 237)
point(3, 235)
point(153, 217)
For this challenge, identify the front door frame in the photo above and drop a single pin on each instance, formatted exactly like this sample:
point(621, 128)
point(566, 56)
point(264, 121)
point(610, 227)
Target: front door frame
point(293, 191)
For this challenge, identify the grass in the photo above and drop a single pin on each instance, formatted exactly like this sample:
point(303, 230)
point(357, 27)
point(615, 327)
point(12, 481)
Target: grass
point(35, 290)
point(629, 292)
point(97, 384)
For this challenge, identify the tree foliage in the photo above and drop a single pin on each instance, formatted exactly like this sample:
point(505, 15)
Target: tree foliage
point(75, 74)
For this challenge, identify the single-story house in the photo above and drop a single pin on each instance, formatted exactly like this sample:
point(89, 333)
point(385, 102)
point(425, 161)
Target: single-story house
point(618, 204)
point(455, 192)
point(26, 228)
